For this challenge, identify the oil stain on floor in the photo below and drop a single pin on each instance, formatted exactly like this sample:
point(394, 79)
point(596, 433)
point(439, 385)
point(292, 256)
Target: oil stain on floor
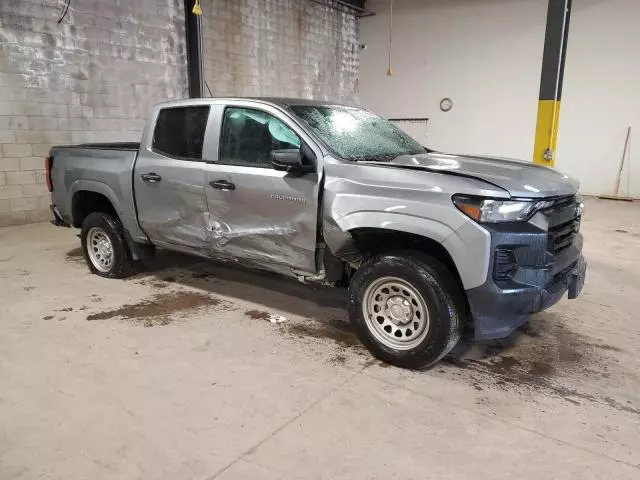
point(158, 284)
point(339, 332)
point(159, 309)
point(335, 331)
point(546, 357)
point(75, 256)
point(257, 315)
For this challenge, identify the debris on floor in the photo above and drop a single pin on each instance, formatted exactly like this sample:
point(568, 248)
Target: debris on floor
point(260, 315)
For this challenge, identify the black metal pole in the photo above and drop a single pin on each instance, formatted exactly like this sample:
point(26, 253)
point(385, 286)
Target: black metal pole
point(193, 35)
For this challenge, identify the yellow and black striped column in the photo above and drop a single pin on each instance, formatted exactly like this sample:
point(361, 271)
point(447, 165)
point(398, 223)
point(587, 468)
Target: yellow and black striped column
point(555, 49)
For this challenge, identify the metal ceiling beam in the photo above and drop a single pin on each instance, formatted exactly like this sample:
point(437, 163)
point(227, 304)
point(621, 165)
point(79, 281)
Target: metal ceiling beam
point(355, 7)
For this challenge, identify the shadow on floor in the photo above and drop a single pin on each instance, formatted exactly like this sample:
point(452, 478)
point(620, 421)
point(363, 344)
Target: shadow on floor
point(271, 290)
point(326, 305)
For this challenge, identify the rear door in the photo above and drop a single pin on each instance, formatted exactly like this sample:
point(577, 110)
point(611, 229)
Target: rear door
point(169, 178)
point(258, 213)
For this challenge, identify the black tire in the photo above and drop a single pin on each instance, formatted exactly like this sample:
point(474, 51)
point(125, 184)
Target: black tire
point(121, 266)
point(442, 295)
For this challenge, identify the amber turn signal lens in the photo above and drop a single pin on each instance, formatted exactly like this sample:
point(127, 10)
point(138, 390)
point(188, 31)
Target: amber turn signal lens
point(472, 211)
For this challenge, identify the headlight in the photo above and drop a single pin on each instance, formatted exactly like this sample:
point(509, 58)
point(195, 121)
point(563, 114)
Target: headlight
point(492, 211)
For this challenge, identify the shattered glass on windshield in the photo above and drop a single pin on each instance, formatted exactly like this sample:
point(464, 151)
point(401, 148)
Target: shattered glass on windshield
point(356, 134)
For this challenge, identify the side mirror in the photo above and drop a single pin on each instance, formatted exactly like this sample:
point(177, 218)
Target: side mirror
point(291, 161)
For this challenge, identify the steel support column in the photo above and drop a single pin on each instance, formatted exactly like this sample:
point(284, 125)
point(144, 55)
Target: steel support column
point(551, 77)
point(195, 66)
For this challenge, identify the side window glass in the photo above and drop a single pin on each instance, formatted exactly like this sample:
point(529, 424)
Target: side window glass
point(249, 136)
point(179, 132)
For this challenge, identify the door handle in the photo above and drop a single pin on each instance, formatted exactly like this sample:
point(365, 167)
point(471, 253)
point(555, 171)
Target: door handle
point(150, 177)
point(222, 185)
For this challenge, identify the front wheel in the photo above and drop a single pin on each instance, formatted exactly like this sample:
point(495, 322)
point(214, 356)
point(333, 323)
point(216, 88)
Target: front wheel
point(104, 246)
point(407, 308)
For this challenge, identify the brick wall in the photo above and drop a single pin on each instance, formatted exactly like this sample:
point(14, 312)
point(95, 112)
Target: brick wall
point(280, 47)
point(93, 77)
point(90, 78)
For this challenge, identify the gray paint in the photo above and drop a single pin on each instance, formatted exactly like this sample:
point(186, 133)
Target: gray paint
point(253, 224)
point(361, 195)
point(247, 223)
point(107, 172)
point(520, 179)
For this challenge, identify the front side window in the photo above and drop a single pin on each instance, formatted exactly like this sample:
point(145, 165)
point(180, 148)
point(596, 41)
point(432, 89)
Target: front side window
point(356, 134)
point(250, 136)
point(180, 131)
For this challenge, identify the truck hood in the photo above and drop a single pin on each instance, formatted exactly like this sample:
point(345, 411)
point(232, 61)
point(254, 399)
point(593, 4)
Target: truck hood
point(520, 179)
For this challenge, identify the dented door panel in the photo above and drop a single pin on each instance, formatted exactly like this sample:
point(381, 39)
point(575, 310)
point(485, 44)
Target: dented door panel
point(268, 217)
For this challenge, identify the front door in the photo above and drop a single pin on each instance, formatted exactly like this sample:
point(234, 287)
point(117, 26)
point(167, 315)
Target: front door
point(169, 179)
point(258, 213)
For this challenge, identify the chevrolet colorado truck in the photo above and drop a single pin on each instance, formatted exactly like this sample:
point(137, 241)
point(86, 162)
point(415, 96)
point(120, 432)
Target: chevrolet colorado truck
point(428, 243)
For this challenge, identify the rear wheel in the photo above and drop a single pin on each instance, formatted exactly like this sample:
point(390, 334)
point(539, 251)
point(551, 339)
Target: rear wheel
point(407, 308)
point(104, 246)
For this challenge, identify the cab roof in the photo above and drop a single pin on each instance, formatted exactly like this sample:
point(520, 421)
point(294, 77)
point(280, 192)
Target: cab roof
point(277, 101)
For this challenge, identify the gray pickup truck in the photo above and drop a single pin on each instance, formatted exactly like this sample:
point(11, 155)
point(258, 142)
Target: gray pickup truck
point(428, 243)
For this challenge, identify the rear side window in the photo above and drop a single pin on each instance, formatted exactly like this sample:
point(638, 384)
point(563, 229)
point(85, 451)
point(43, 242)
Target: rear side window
point(179, 132)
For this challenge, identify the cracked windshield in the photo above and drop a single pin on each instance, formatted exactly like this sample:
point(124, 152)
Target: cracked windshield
point(356, 134)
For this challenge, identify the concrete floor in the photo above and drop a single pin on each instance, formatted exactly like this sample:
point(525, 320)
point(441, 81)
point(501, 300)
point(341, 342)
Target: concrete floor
point(177, 373)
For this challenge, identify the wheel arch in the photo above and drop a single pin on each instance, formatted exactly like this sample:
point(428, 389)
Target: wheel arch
point(88, 196)
point(98, 197)
point(365, 233)
point(370, 241)
point(86, 202)
point(462, 244)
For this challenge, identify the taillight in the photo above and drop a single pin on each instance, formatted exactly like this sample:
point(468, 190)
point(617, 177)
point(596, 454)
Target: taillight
point(48, 163)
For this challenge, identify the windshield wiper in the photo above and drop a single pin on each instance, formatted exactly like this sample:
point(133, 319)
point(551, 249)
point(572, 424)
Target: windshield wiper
point(375, 158)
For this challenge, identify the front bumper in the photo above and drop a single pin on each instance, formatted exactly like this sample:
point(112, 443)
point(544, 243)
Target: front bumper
point(534, 280)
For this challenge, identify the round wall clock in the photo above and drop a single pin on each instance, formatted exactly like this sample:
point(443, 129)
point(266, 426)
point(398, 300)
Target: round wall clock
point(446, 104)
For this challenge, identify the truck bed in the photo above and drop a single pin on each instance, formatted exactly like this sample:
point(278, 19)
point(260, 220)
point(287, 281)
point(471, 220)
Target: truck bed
point(104, 168)
point(106, 146)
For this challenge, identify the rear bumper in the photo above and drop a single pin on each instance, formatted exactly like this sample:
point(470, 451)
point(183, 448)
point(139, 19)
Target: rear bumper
point(57, 218)
point(535, 279)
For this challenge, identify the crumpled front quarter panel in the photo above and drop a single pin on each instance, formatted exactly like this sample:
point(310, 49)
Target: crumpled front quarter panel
point(377, 196)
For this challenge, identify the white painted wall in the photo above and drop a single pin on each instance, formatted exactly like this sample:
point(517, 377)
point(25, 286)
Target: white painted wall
point(486, 55)
point(601, 95)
